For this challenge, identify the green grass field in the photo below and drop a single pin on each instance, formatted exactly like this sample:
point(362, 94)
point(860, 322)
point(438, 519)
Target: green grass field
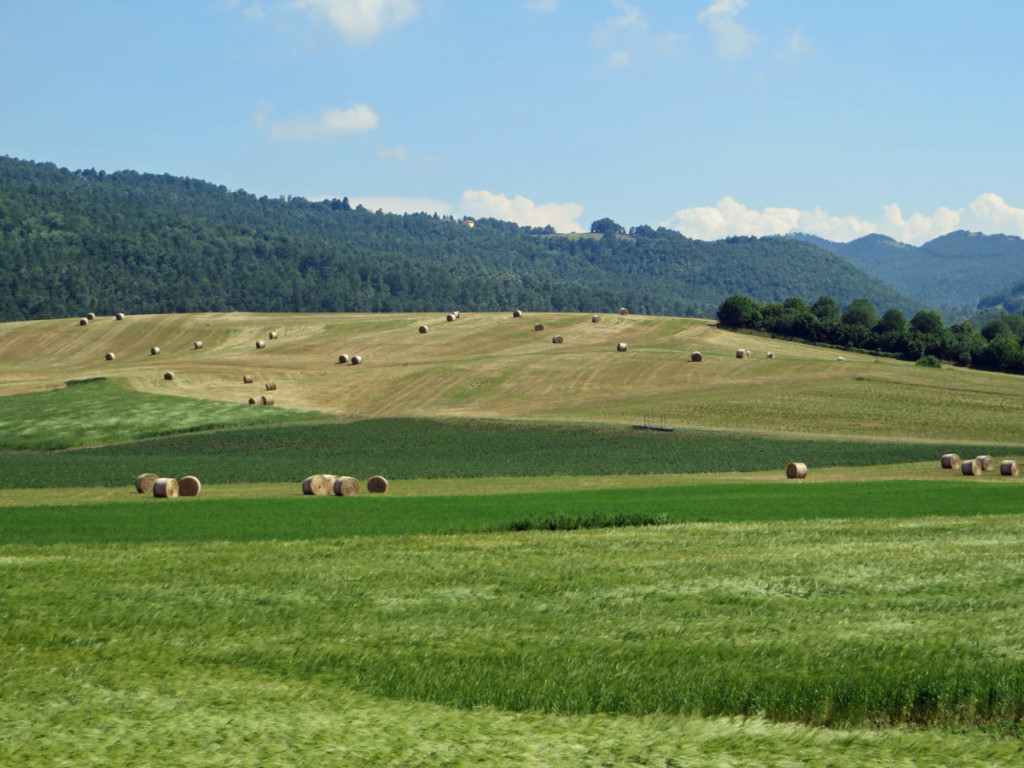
point(542, 585)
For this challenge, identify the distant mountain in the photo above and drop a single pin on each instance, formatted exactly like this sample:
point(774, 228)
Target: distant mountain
point(78, 241)
point(952, 272)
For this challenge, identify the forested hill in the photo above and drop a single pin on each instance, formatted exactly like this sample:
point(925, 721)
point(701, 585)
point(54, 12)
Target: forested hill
point(72, 242)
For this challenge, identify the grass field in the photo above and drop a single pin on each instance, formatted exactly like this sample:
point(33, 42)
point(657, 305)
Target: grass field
point(542, 584)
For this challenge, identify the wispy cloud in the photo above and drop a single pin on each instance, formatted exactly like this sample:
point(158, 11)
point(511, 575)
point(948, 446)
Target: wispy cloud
point(361, 20)
point(358, 118)
point(732, 41)
point(986, 213)
point(401, 154)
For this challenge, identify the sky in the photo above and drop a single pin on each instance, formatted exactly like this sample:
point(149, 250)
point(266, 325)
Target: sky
point(712, 117)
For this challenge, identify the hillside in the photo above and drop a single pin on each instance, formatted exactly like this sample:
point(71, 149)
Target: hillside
point(952, 273)
point(493, 366)
point(74, 242)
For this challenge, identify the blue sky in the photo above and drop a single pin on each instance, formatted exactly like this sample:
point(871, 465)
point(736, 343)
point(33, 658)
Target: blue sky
point(713, 117)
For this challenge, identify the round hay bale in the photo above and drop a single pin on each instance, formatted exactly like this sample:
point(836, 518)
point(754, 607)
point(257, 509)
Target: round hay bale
point(557, 339)
point(1009, 468)
point(119, 316)
point(111, 355)
point(450, 318)
point(317, 485)
point(357, 359)
point(273, 335)
point(261, 344)
point(90, 315)
point(986, 461)
point(424, 329)
point(620, 347)
point(517, 313)
point(950, 461)
point(144, 482)
point(742, 353)
point(971, 467)
point(270, 386)
point(252, 401)
point(345, 486)
point(538, 326)
point(696, 357)
point(343, 359)
point(457, 314)
point(165, 488)
point(189, 485)
point(841, 359)
point(154, 350)
point(197, 345)
point(248, 379)
point(770, 355)
point(595, 319)
point(84, 321)
point(267, 400)
point(623, 311)
point(796, 470)
point(169, 376)
point(377, 484)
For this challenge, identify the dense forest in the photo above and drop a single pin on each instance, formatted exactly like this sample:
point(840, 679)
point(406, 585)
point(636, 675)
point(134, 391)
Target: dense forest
point(78, 241)
point(924, 338)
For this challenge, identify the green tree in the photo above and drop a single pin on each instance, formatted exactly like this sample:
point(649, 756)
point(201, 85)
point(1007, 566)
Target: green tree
point(861, 313)
point(739, 312)
point(606, 226)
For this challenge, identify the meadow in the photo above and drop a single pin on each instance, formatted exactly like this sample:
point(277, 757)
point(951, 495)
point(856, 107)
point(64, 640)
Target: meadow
point(531, 590)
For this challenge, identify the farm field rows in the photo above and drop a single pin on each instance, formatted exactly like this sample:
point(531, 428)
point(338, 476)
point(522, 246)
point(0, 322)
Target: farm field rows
point(542, 584)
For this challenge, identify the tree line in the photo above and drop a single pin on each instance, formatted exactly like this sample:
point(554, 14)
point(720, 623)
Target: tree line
point(924, 338)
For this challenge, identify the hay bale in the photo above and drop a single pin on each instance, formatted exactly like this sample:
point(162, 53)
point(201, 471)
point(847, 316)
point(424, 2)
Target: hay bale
point(154, 350)
point(770, 355)
point(165, 488)
point(841, 359)
point(261, 344)
point(273, 335)
point(357, 359)
point(557, 339)
point(424, 329)
point(595, 319)
point(270, 386)
point(84, 321)
point(696, 357)
point(457, 314)
point(538, 326)
point(168, 376)
point(197, 345)
point(986, 461)
point(377, 484)
point(252, 401)
point(119, 316)
point(317, 485)
point(267, 400)
point(517, 313)
point(111, 355)
point(189, 486)
point(950, 461)
point(248, 379)
point(345, 486)
point(971, 467)
point(623, 311)
point(144, 482)
point(450, 318)
point(1009, 468)
point(796, 470)
point(620, 347)
point(90, 315)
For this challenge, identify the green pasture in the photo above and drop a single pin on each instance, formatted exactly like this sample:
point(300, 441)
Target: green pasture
point(334, 631)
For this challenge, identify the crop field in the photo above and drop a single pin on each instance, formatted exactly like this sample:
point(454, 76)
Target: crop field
point(541, 585)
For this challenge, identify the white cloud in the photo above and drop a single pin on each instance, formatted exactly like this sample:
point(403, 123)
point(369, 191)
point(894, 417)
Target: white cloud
point(987, 213)
point(618, 59)
point(798, 46)
point(361, 20)
point(732, 41)
point(521, 210)
point(395, 154)
point(358, 118)
point(544, 6)
point(632, 17)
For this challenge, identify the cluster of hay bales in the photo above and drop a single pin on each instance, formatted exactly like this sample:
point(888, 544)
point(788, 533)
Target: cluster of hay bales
point(350, 359)
point(453, 316)
point(340, 485)
point(796, 470)
point(167, 487)
point(979, 464)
